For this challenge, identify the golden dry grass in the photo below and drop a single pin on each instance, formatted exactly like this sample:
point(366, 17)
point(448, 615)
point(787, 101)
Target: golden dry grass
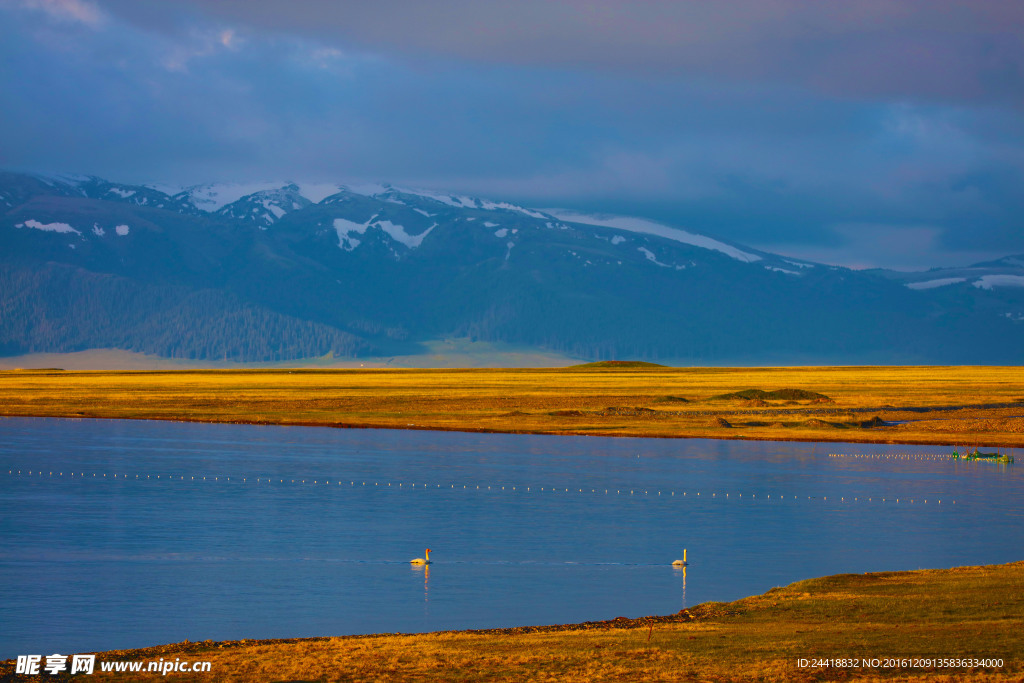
point(941, 401)
point(967, 612)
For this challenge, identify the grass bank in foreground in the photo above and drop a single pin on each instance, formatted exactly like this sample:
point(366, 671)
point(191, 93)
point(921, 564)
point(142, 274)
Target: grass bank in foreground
point(893, 625)
point(967, 406)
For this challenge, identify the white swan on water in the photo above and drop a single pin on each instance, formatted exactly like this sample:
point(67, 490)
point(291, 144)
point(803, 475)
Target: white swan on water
point(682, 562)
point(421, 560)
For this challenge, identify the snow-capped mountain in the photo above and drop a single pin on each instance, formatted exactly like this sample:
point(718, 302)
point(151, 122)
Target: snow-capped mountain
point(263, 204)
point(996, 287)
point(279, 270)
point(266, 207)
point(1004, 272)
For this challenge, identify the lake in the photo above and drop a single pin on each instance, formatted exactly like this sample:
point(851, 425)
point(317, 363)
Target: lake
point(121, 534)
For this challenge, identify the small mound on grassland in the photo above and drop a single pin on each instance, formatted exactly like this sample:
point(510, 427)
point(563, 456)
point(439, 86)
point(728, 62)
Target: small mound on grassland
point(616, 364)
point(821, 424)
point(719, 422)
point(671, 399)
point(628, 411)
point(777, 395)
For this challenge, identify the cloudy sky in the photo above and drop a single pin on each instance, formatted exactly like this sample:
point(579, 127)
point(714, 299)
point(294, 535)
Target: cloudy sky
point(869, 133)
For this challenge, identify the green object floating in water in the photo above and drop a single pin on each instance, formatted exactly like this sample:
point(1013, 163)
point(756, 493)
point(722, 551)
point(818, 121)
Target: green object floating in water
point(987, 457)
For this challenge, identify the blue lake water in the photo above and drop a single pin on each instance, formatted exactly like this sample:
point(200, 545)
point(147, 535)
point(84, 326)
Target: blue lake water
point(231, 531)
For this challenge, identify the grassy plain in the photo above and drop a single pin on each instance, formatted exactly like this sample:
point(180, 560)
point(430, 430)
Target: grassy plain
point(966, 612)
point(968, 406)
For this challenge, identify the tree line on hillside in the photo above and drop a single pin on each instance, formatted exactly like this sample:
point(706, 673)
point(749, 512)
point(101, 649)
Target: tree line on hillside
point(60, 309)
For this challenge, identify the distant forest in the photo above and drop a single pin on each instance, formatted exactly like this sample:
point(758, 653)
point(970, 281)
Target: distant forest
point(59, 308)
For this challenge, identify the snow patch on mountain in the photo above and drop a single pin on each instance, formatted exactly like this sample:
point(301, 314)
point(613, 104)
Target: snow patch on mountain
point(649, 255)
point(216, 196)
point(273, 208)
point(48, 227)
point(457, 201)
point(379, 191)
point(932, 284)
point(505, 206)
point(398, 233)
point(781, 270)
point(647, 227)
point(990, 281)
point(122, 230)
point(347, 231)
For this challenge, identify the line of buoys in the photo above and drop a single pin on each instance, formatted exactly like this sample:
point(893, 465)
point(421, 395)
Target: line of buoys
point(897, 456)
point(493, 488)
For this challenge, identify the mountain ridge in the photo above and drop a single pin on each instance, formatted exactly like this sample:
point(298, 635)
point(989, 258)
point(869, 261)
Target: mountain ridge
point(385, 268)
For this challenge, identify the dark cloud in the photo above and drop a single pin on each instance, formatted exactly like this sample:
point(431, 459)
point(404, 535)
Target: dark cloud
point(916, 49)
point(824, 129)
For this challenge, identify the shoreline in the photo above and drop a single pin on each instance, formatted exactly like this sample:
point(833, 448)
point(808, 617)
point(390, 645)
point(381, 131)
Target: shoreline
point(968, 613)
point(485, 430)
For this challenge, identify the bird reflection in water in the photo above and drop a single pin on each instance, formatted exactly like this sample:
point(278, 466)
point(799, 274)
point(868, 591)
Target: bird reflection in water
point(425, 568)
point(681, 571)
